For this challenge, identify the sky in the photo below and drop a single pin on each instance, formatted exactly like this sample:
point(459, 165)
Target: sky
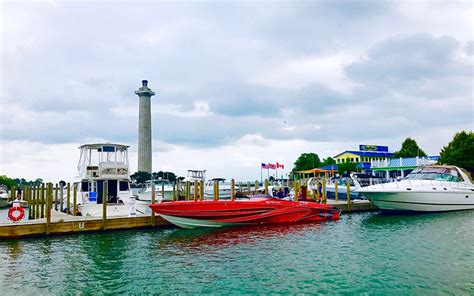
point(238, 83)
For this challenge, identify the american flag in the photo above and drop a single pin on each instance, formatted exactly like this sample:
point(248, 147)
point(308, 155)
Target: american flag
point(265, 166)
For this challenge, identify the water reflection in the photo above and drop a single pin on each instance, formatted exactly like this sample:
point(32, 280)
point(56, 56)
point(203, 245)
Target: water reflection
point(223, 237)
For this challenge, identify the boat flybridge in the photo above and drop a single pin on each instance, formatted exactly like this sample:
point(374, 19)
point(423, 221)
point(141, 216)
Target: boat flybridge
point(103, 167)
point(433, 188)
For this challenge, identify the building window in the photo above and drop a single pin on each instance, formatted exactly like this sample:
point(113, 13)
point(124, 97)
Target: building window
point(352, 159)
point(357, 159)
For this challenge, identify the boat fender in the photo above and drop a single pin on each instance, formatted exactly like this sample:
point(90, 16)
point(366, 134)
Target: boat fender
point(15, 214)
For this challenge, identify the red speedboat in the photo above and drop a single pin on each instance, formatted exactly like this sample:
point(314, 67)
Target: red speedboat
point(210, 213)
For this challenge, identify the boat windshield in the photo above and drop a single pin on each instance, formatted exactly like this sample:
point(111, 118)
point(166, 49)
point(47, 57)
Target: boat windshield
point(436, 174)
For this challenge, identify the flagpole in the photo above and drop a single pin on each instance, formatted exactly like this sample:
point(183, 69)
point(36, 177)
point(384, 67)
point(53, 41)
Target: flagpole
point(261, 174)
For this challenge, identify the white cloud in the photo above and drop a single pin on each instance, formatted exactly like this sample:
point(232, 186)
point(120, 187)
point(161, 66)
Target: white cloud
point(298, 73)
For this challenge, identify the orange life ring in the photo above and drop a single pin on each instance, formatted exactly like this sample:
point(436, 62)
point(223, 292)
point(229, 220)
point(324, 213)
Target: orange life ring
point(16, 214)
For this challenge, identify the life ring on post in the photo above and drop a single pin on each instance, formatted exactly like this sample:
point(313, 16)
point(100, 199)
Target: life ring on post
point(16, 213)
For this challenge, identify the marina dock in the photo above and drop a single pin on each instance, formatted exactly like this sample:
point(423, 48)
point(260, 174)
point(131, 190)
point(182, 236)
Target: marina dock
point(64, 224)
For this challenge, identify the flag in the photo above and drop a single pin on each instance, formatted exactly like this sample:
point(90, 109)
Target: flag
point(265, 166)
point(272, 166)
point(279, 165)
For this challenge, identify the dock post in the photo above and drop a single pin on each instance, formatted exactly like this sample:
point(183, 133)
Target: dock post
point(323, 189)
point(37, 202)
point(240, 187)
point(153, 220)
point(266, 186)
point(187, 191)
point(296, 189)
point(49, 200)
point(43, 197)
point(196, 190)
point(31, 203)
point(248, 187)
point(104, 204)
point(348, 185)
point(56, 192)
point(12, 193)
point(257, 185)
point(74, 199)
point(201, 190)
point(232, 190)
point(175, 186)
point(68, 198)
point(336, 189)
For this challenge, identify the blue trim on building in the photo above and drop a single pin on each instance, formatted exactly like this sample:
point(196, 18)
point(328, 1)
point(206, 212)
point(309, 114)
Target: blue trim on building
point(367, 153)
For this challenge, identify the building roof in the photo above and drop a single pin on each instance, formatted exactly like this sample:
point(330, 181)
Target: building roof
point(367, 153)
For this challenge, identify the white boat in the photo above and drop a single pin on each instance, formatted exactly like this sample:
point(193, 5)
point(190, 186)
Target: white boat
point(195, 175)
point(425, 189)
point(224, 188)
point(104, 167)
point(163, 190)
point(4, 197)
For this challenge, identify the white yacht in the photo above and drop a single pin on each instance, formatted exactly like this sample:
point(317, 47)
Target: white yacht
point(4, 197)
point(163, 190)
point(224, 189)
point(103, 166)
point(195, 175)
point(433, 188)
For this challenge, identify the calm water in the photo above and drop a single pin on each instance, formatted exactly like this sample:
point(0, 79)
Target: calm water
point(361, 253)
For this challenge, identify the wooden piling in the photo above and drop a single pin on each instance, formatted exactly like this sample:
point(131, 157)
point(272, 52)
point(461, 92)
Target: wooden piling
point(248, 187)
point(153, 220)
point(175, 187)
point(196, 190)
point(296, 189)
point(232, 190)
point(49, 200)
point(256, 186)
point(56, 200)
point(336, 189)
point(348, 185)
point(266, 186)
point(68, 198)
point(201, 190)
point(37, 203)
point(104, 204)
point(74, 199)
point(240, 187)
point(43, 199)
point(12, 193)
point(187, 190)
point(31, 204)
point(324, 191)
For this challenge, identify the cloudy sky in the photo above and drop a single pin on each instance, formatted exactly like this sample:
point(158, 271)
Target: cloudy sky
point(237, 83)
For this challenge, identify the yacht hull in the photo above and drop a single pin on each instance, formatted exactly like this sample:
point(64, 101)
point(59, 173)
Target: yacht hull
point(96, 210)
point(422, 201)
point(3, 202)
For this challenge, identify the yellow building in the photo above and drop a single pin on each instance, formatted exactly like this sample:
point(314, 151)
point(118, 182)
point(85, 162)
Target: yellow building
point(366, 153)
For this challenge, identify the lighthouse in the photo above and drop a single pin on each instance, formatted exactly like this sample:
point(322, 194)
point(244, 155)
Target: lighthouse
point(144, 94)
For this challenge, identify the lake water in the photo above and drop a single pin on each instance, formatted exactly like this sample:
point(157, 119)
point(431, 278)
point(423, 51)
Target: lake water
point(369, 253)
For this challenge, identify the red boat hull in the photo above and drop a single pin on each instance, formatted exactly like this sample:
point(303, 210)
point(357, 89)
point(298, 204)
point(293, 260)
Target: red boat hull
point(255, 211)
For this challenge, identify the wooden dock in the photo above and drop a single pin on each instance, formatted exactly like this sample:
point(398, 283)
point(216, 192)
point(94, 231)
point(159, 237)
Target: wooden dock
point(63, 224)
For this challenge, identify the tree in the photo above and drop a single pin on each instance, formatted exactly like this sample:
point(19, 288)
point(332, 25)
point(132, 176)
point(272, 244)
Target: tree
point(140, 177)
point(328, 161)
point(307, 161)
point(409, 149)
point(347, 167)
point(460, 151)
point(7, 181)
point(164, 175)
